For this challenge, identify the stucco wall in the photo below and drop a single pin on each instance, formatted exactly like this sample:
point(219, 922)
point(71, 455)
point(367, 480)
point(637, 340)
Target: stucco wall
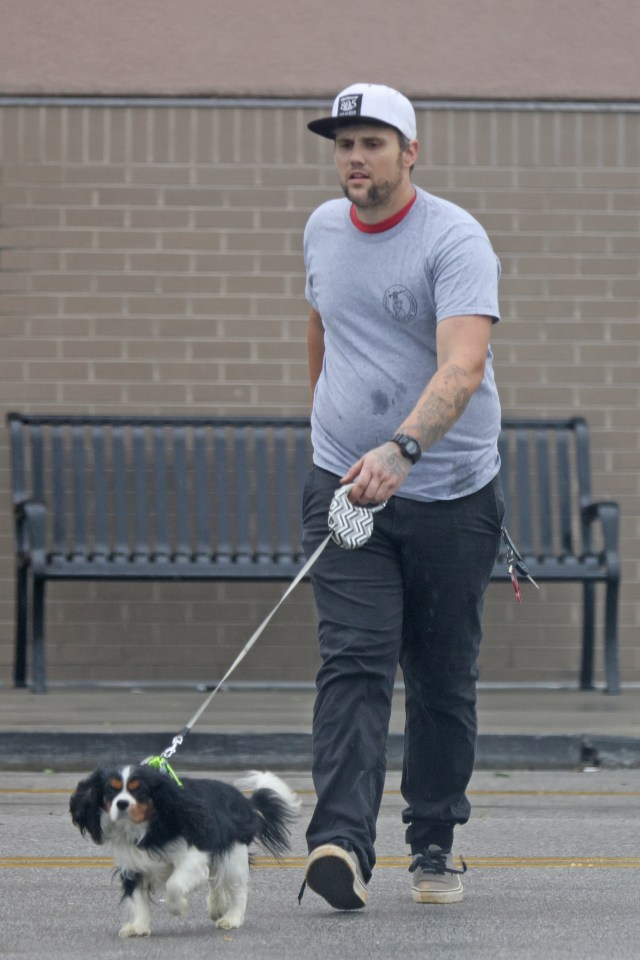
point(443, 48)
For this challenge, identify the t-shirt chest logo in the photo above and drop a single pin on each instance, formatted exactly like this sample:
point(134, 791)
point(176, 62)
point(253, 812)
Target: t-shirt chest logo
point(400, 303)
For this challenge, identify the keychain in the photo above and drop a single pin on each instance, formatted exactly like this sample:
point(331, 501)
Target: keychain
point(515, 565)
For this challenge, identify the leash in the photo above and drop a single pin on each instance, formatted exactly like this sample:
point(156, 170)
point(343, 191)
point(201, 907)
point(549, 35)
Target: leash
point(350, 527)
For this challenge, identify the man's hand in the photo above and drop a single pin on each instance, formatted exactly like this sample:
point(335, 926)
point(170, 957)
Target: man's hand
point(378, 474)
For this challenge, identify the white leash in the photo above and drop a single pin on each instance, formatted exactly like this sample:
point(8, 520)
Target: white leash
point(351, 526)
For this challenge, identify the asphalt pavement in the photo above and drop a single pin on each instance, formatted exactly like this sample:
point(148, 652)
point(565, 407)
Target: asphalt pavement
point(552, 846)
point(552, 856)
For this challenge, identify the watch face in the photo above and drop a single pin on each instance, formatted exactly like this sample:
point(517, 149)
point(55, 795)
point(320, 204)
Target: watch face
point(409, 446)
point(412, 448)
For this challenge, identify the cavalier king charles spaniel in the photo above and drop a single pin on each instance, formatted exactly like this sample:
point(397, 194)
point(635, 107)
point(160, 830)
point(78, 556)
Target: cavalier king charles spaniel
point(179, 834)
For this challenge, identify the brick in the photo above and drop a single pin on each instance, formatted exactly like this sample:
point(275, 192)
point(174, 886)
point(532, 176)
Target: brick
point(128, 372)
point(222, 393)
point(93, 174)
point(17, 215)
point(125, 283)
point(61, 283)
point(160, 218)
point(161, 396)
point(94, 261)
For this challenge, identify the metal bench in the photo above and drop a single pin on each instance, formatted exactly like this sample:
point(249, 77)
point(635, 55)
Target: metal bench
point(218, 498)
point(561, 532)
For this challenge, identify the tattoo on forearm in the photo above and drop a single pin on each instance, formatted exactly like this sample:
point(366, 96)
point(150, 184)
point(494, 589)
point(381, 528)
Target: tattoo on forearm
point(440, 410)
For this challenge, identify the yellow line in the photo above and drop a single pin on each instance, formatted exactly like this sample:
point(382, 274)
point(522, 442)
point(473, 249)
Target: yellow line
point(482, 862)
point(29, 790)
point(65, 863)
point(400, 862)
point(17, 791)
point(554, 793)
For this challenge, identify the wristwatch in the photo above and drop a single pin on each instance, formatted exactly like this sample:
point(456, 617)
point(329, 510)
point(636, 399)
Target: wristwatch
point(409, 447)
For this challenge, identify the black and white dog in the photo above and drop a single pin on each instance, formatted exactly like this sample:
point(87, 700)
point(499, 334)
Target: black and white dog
point(180, 834)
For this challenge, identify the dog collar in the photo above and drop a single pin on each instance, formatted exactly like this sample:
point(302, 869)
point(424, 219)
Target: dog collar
point(159, 763)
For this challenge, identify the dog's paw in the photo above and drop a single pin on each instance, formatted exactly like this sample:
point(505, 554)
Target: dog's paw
point(230, 920)
point(177, 904)
point(135, 930)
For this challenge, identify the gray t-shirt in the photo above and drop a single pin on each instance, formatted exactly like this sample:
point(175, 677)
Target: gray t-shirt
point(381, 296)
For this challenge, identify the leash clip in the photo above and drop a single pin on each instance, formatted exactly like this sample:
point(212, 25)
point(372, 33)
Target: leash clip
point(177, 741)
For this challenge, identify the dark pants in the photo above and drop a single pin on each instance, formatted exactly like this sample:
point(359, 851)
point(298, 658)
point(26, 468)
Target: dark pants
point(412, 595)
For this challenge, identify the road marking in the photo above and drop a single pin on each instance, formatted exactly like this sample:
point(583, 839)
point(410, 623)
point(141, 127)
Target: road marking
point(399, 862)
point(33, 791)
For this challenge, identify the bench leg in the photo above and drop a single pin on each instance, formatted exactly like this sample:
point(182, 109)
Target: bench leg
point(39, 660)
point(588, 635)
point(22, 607)
point(611, 666)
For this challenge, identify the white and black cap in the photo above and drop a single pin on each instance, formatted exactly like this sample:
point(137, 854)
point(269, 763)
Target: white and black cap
point(363, 102)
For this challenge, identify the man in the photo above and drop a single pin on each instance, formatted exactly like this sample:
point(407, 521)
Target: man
point(403, 293)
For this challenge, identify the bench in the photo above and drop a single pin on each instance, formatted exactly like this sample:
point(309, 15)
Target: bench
point(218, 498)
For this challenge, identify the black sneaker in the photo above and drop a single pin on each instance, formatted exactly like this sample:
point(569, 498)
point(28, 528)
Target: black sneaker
point(335, 874)
point(435, 878)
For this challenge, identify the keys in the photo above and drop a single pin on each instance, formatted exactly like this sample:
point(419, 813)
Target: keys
point(516, 565)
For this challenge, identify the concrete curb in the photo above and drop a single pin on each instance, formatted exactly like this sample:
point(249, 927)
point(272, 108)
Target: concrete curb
point(292, 751)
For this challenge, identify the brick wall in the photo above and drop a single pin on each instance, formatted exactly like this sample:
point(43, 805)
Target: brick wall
point(150, 260)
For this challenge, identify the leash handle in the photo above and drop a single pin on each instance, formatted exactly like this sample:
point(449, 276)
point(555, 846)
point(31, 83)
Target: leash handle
point(351, 524)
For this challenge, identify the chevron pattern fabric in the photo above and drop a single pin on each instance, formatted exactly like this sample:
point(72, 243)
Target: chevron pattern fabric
point(350, 525)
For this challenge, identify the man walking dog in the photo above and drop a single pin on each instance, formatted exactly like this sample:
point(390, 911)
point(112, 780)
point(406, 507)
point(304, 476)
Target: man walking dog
point(402, 288)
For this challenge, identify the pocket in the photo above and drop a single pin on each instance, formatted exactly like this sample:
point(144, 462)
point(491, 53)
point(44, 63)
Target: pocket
point(316, 496)
point(498, 498)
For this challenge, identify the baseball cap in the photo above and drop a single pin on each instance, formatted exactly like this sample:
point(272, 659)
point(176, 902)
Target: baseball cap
point(368, 101)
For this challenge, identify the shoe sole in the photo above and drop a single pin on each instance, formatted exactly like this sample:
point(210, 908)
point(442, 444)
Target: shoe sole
point(331, 874)
point(437, 896)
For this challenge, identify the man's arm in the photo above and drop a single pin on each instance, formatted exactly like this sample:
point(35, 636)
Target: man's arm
point(315, 348)
point(462, 344)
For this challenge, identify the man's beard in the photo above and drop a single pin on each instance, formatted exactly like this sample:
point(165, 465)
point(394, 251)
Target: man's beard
point(377, 195)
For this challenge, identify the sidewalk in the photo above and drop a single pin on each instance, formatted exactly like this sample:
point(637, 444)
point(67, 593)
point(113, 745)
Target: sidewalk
point(75, 727)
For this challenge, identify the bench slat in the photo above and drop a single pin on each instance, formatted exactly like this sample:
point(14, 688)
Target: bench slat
point(564, 491)
point(79, 487)
point(522, 493)
point(202, 494)
point(543, 482)
point(240, 483)
point(160, 517)
point(261, 473)
point(120, 496)
point(222, 505)
point(182, 552)
point(100, 507)
point(58, 485)
point(282, 454)
point(141, 499)
point(303, 465)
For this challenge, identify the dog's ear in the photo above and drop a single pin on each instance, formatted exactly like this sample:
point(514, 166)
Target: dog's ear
point(86, 804)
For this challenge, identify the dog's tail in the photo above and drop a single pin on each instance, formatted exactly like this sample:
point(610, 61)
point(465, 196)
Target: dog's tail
point(277, 807)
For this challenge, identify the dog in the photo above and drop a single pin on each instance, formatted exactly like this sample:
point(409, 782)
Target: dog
point(179, 834)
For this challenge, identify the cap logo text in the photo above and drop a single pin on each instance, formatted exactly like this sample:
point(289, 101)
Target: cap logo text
point(350, 105)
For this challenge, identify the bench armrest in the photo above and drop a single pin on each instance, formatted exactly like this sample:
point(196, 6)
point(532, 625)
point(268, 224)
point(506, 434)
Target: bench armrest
point(606, 513)
point(30, 517)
